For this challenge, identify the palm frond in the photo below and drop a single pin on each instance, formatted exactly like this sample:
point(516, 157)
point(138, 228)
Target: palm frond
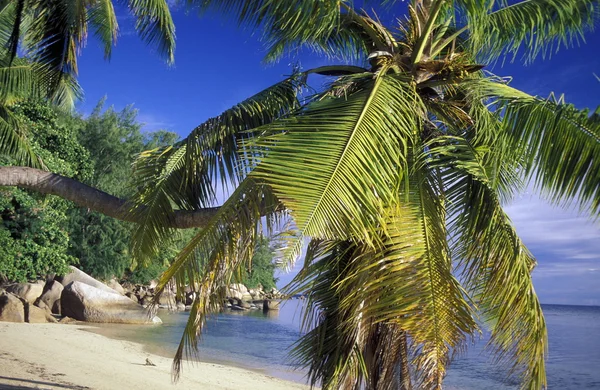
point(155, 25)
point(290, 23)
point(13, 140)
point(345, 38)
point(18, 81)
point(335, 163)
point(63, 95)
point(215, 257)
point(183, 176)
point(495, 264)
point(103, 20)
point(331, 348)
point(55, 31)
point(561, 143)
point(12, 13)
point(410, 283)
point(531, 27)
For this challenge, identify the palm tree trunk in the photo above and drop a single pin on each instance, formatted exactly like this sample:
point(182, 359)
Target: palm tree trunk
point(405, 383)
point(92, 198)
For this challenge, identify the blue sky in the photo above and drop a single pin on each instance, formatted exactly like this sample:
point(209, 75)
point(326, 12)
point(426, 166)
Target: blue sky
point(218, 64)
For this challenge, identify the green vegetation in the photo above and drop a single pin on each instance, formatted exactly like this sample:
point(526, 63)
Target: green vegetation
point(262, 267)
point(33, 233)
point(43, 234)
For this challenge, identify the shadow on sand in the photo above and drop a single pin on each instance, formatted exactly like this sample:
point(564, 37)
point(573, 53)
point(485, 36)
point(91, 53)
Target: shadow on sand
point(33, 384)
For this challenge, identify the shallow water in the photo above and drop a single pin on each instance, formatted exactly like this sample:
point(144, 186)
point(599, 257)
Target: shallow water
point(260, 342)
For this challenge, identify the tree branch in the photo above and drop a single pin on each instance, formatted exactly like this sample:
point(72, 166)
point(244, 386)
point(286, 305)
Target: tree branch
point(92, 198)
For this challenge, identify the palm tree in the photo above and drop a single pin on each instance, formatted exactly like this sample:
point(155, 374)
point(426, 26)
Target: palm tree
point(397, 173)
point(48, 35)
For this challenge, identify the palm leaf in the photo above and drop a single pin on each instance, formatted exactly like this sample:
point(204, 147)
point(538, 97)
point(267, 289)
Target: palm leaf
point(103, 19)
point(183, 176)
point(155, 25)
point(531, 26)
point(216, 256)
point(331, 348)
point(289, 24)
point(410, 283)
point(13, 140)
point(18, 81)
point(561, 144)
point(496, 264)
point(334, 165)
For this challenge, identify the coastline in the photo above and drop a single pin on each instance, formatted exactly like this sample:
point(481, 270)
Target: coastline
point(59, 356)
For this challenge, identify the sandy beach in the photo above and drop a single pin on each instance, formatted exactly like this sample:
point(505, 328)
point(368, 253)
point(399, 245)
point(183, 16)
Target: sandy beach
point(67, 356)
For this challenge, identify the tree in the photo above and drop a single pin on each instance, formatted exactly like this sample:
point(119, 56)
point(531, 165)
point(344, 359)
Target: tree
point(48, 35)
point(262, 268)
point(34, 237)
point(396, 172)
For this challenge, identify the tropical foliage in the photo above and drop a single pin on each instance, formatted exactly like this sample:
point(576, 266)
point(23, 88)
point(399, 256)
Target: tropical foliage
point(262, 268)
point(39, 44)
point(34, 238)
point(43, 234)
point(397, 173)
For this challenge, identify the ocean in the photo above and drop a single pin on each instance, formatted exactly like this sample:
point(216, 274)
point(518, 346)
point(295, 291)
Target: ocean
point(261, 342)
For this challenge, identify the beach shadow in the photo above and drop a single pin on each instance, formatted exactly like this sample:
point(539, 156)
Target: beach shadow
point(35, 384)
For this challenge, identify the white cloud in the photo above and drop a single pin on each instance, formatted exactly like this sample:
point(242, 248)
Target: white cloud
point(567, 247)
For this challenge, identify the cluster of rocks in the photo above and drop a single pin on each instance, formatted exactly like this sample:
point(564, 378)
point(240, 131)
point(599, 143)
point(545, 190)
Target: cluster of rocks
point(76, 296)
point(239, 297)
point(79, 296)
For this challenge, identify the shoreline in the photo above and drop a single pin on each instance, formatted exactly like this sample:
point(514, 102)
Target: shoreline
point(59, 356)
point(152, 348)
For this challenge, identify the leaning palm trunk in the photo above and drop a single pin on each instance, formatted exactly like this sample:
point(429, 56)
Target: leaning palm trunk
point(396, 172)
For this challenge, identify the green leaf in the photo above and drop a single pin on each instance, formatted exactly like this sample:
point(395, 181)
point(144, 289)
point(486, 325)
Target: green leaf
point(155, 25)
point(531, 27)
point(335, 164)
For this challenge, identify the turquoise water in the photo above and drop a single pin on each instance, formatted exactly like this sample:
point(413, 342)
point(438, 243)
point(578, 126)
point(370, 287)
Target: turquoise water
point(257, 341)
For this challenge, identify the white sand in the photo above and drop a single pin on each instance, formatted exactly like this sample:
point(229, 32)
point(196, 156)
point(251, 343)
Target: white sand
point(61, 356)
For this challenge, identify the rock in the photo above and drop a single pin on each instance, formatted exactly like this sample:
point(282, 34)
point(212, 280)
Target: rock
point(189, 298)
point(87, 303)
point(269, 304)
point(132, 296)
point(51, 296)
point(247, 298)
point(11, 308)
point(240, 287)
point(167, 298)
point(180, 307)
point(36, 315)
point(41, 305)
point(67, 320)
point(152, 284)
point(244, 304)
point(80, 276)
point(128, 287)
point(116, 286)
point(235, 294)
point(28, 291)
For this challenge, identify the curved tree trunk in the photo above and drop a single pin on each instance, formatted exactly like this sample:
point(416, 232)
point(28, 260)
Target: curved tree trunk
point(92, 198)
